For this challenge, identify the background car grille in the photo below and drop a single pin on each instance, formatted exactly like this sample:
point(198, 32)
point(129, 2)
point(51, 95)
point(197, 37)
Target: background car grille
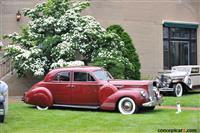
point(151, 91)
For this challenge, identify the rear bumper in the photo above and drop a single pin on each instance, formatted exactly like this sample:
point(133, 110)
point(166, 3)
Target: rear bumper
point(2, 110)
point(153, 102)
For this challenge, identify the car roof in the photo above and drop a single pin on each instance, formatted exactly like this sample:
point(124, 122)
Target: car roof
point(77, 68)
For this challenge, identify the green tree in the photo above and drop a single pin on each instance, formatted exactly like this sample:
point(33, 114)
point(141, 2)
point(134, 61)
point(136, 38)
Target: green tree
point(128, 52)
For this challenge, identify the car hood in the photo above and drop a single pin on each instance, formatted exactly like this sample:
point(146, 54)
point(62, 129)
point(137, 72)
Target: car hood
point(130, 82)
point(176, 74)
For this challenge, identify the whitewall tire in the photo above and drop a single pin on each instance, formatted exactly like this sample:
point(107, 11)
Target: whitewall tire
point(127, 106)
point(178, 90)
point(41, 108)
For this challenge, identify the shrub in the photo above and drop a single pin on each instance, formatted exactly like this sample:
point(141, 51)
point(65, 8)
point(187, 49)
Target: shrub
point(128, 52)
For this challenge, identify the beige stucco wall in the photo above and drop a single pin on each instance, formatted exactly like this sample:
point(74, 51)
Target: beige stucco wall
point(17, 86)
point(142, 19)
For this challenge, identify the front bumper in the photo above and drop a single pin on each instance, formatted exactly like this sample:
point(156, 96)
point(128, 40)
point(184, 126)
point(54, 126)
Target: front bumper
point(164, 89)
point(153, 102)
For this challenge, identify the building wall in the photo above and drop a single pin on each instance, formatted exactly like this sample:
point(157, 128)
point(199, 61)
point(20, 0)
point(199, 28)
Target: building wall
point(142, 19)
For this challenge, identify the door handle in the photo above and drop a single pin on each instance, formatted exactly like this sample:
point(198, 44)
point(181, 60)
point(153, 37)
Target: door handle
point(72, 86)
point(67, 86)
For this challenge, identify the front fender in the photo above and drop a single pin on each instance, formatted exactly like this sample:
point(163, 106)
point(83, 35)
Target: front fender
point(105, 91)
point(111, 102)
point(39, 96)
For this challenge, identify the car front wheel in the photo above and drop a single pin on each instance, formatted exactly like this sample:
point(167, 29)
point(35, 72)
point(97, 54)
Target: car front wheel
point(178, 90)
point(2, 113)
point(127, 106)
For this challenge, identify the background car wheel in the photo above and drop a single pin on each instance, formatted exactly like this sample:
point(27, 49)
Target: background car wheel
point(127, 106)
point(150, 108)
point(2, 116)
point(42, 107)
point(178, 90)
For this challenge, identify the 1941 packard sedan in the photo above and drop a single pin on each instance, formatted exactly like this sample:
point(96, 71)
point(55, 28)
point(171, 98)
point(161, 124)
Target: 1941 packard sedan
point(94, 88)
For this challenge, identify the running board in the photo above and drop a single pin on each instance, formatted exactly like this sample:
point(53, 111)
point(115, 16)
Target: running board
point(77, 106)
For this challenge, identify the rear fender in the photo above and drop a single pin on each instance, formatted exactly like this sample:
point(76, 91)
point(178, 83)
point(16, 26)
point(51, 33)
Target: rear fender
point(111, 102)
point(39, 96)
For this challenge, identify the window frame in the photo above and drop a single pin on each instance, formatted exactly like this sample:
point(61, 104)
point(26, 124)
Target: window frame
point(53, 79)
point(88, 74)
point(169, 39)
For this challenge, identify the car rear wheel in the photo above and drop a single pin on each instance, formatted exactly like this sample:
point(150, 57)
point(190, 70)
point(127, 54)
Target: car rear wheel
point(127, 106)
point(2, 111)
point(42, 107)
point(178, 90)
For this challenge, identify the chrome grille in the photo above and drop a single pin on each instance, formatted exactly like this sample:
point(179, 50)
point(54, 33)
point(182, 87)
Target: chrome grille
point(151, 91)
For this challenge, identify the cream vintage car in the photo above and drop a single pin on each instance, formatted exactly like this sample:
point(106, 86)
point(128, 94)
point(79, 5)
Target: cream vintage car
point(181, 79)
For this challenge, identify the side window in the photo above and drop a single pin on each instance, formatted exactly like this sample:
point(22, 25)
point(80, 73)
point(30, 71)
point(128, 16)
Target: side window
point(62, 76)
point(195, 70)
point(81, 76)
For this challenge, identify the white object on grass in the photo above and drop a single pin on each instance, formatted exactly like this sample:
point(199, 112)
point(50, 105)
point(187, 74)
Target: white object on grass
point(178, 105)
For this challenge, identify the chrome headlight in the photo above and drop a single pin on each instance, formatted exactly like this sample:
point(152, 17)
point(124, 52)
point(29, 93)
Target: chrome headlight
point(143, 93)
point(169, 80)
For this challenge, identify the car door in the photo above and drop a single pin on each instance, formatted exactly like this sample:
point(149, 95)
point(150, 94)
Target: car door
point(60, 87)
point(84, 89)
point(195, 77)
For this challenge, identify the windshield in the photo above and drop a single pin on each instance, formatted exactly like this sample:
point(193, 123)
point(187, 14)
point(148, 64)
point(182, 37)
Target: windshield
point(102, 75)
point(181, 69)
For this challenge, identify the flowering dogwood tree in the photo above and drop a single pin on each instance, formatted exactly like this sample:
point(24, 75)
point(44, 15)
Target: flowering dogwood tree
point(56, 34)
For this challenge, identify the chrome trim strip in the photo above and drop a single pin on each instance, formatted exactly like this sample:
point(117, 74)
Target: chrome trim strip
point(77, 106)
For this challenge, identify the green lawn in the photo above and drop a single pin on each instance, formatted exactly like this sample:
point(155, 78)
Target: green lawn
point(26, 119)
point(187, 100)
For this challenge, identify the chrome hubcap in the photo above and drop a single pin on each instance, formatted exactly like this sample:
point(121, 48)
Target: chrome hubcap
point(127, 106)
point(178, 90)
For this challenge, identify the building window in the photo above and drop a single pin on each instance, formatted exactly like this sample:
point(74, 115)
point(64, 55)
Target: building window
point(179, 46)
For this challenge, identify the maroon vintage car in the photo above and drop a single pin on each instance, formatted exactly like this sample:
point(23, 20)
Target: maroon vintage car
point(92, 87)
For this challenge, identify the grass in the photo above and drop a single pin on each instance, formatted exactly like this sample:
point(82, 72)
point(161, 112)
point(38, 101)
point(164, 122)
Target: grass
point(191, 99)
point(26, 119)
